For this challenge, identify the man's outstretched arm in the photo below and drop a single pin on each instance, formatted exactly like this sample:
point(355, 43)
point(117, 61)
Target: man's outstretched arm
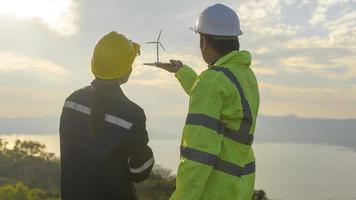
point(185, 75)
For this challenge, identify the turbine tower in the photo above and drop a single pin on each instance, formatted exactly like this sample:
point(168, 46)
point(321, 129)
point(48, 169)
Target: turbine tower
point(158, 43)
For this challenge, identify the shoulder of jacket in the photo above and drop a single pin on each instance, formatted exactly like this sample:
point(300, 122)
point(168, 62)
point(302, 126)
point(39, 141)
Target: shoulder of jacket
point(136, 108)
point(212, 75)
point(212, 78)
point(84, 91)
point(131, 110)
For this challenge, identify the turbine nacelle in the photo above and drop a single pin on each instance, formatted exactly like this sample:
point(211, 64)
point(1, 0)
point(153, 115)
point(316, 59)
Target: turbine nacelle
point(160, 44)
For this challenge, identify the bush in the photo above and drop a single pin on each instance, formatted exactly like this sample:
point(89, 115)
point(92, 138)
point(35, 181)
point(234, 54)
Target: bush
point(159, 186)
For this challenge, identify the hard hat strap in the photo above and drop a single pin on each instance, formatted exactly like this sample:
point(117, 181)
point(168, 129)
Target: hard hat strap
point(218, 37)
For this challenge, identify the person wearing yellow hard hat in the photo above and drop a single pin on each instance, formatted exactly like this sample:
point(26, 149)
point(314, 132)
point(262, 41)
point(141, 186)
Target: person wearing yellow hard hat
point(103, 136)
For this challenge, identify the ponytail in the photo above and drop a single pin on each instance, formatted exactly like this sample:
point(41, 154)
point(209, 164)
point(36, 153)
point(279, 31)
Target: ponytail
point(100, 105)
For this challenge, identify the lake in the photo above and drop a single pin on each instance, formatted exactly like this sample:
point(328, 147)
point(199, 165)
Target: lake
point(286, 171)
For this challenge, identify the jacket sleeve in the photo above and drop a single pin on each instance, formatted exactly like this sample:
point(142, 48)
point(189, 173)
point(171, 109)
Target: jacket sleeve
point(201, 144)
point(141, 158)
point(186, 76)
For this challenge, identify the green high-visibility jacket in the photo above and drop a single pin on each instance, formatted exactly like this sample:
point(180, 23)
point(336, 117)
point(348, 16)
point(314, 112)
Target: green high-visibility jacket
point(217, 161)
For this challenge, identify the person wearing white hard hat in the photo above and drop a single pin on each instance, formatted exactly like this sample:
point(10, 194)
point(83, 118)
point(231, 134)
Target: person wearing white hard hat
point(217, 160)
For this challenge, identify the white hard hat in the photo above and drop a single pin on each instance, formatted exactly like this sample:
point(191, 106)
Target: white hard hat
point(218, 20)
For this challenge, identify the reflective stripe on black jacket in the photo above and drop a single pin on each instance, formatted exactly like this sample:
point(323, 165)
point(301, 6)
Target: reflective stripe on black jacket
point(103, 166)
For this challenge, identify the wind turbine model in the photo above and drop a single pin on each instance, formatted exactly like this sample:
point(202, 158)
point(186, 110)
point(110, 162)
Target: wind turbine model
point(158, 43)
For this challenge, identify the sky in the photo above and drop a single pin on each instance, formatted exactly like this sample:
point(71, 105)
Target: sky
point(303, 51)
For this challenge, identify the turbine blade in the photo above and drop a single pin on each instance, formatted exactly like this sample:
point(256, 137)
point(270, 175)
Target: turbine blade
point(151, 42)
point(159, 35)
point(162, 46)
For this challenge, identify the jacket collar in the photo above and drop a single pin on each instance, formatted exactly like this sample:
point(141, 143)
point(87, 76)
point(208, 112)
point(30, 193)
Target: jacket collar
point(240, 58)
point(106, 87)
point(103, 83)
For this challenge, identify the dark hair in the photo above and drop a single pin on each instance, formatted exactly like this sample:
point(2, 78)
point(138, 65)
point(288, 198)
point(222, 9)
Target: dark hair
point(222, 45)
point(100, 105)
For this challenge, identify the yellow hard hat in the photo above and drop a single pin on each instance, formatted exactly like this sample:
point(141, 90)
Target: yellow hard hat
point(113, 56)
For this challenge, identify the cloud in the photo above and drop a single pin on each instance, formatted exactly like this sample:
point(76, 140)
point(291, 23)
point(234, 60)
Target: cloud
point(264, 18)
point(323, 6)
point(11, 63)
point(311, 94)
point(262, 10)
point(262, 50)
point(308, 101)
point(264, 71)
point(151, 76)
point(341, 32)
point(58, 15)
point(31, 86)
point(30, 101)
point(294, 46)
point(335, 69)
point(260, 70)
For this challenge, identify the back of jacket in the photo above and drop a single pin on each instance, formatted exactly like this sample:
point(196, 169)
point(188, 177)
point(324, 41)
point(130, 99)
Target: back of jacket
point(217, 160)
point(103, 165)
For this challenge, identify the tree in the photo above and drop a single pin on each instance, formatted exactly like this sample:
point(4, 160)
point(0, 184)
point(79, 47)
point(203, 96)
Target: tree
point(159, 186)
point(259, 195)
point(3, 145)
point(29, 163)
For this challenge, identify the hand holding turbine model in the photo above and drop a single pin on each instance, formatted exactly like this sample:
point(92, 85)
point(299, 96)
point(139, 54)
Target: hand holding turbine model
point(173, 65)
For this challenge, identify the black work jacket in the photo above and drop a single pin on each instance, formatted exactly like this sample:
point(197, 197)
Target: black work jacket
point(103, 166)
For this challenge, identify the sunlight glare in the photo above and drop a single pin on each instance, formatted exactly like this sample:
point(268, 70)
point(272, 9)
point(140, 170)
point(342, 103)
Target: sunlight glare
point(58, 15)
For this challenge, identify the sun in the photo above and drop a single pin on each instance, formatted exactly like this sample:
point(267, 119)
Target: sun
point(58, 15)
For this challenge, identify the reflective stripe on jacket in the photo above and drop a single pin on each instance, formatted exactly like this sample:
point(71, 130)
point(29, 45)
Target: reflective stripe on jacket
point(217, 161)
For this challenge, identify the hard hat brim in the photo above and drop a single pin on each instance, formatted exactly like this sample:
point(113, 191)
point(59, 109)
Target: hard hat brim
point(194, 29)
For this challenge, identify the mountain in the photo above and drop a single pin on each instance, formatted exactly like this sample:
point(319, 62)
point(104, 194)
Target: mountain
point(271, 129)
point(292, 129)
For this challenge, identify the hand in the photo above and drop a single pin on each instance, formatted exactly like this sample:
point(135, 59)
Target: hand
point(172, 67)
